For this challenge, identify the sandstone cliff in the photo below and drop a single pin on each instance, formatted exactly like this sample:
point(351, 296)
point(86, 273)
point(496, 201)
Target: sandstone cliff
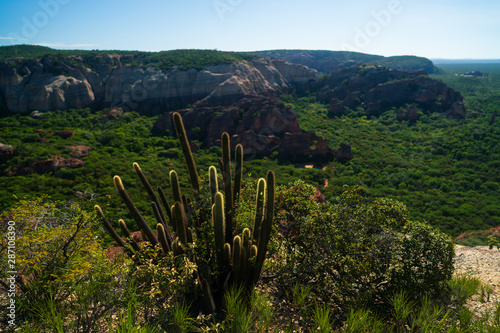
point(55, 82)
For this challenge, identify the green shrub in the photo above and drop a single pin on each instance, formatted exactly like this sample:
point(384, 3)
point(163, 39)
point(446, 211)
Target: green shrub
point(358, 250)
point(64, 279)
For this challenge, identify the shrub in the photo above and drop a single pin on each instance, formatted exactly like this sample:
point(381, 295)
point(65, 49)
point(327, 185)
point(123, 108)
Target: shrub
point(357, 250)
point(62, 271)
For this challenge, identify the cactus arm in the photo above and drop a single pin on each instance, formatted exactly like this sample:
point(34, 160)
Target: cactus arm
point(165, 203)
point(213, 184)
point(238, 173)
point(162, 237)
point(127, 235)
point(109, 228)
point(228, 190)
point(166, 228)
point(219, 228)
point(152, 195)
point(266, 229)
point(138, 218)
point(186, 150)
point(259, 209)
point(227, 254)
point(174, 184)
point(237, 253)
point(208, 296)
point(181, 222)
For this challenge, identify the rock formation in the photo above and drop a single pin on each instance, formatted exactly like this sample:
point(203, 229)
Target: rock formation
point(53, 82)
point(260, 124)
point(52, 164)
point(377, 89)
point(6, 152)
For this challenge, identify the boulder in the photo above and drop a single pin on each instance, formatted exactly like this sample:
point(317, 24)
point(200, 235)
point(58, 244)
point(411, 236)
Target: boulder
point(6, 152)
point(302, 147)
point(55, 163)
point(80, 151)
point(344, 153)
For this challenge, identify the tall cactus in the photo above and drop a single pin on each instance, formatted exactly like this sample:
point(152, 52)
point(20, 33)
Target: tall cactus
point(186, 149)
point(228, 190)
point(238, 258)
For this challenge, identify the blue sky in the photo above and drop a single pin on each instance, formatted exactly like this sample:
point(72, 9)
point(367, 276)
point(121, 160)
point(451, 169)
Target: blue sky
point(454, 29)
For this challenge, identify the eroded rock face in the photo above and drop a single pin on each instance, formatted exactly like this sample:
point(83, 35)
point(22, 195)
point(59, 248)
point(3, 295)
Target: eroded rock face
point(377, 89)
point(51, 83)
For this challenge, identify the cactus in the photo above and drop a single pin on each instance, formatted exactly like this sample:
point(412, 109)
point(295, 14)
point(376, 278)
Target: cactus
point(212, 183)
point(228, 190)
point(138, 218)
point(186, 149)
point(162, 237)
point(238, 173)
point(127, 235)
point(219, 224)
point(238, 258)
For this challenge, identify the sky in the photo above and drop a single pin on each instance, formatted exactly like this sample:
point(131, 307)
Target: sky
point(450, 29)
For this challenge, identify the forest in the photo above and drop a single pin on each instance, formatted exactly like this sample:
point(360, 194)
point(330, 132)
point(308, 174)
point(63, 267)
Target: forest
point(444, 170)
point(246, 245)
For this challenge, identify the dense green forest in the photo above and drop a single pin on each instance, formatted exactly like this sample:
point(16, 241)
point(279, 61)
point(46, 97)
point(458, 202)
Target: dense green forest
point(444, 170)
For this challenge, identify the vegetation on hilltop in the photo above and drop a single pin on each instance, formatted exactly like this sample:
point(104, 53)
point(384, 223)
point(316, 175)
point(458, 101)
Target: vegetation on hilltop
point(164, 60)
point(328, 61)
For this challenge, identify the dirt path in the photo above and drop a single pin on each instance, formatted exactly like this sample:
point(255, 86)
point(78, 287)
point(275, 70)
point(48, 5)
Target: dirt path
point(483, 263)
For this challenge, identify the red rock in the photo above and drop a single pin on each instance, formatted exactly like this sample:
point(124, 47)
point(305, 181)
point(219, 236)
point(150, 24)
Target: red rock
point(80, 151)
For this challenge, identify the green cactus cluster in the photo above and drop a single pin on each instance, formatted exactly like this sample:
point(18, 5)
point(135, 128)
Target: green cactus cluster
point(236, 259)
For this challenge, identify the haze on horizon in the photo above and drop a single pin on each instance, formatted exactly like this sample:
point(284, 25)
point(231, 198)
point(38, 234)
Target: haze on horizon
point(447, 29)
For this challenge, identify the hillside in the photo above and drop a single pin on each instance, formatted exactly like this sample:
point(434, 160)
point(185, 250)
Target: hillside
point(400, 133)
point(328, 61)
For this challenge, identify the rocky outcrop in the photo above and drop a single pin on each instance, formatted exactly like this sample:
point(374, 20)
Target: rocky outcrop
point(260, 124)
point(377, 89)
point(80, 151)
point(52, 164)
point(65, 134)
point(301, 147)
point(344, 153)
point(55, 163)
point(6, 152)
point(52, 83)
